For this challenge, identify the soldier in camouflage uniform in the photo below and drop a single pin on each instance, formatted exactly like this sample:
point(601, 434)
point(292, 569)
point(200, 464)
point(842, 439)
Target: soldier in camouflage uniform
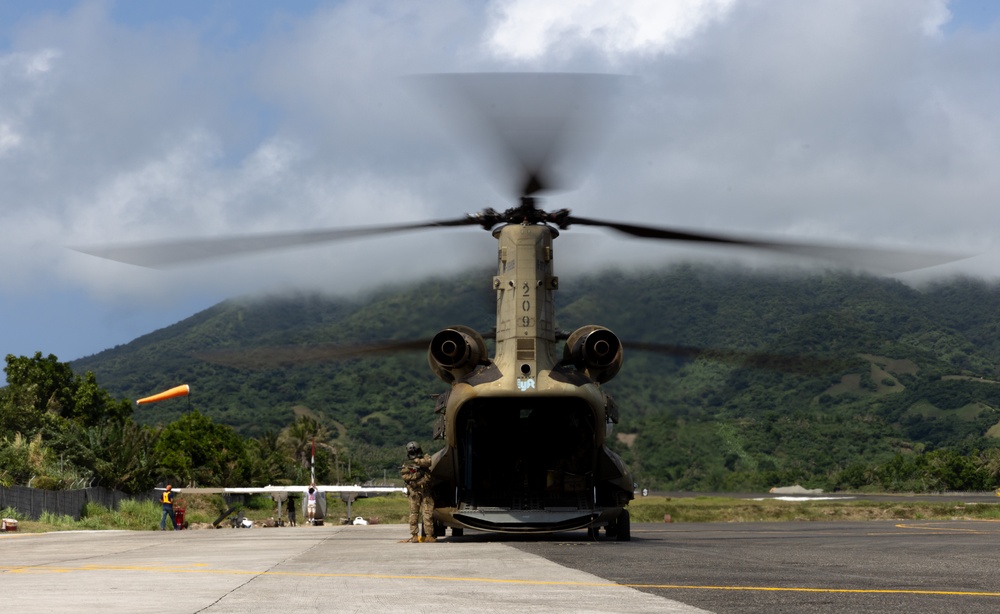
point(417, 477)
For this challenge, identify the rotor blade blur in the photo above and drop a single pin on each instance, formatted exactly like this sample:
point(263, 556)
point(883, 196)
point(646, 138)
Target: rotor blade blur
point(798, 365)
point(289, 356)
point(882, 259)
point(537, 129)
point(164, 254)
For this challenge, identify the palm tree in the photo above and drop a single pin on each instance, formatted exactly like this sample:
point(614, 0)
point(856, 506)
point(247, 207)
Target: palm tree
point(301, 435)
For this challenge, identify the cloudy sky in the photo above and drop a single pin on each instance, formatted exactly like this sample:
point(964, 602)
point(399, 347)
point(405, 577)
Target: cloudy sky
point(838, 121)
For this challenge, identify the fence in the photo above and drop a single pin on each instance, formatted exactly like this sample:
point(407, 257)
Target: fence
point(33, 502)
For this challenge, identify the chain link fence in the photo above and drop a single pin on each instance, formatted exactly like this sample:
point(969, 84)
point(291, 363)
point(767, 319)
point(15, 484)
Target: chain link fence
point(33, 502)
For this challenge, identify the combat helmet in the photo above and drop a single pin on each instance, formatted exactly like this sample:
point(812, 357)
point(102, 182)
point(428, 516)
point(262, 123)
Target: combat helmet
point(413, 450)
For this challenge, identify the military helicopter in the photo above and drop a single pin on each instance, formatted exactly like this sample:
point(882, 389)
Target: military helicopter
point(525, 430)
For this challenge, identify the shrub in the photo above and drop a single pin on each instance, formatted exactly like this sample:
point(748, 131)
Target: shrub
point(9, 512)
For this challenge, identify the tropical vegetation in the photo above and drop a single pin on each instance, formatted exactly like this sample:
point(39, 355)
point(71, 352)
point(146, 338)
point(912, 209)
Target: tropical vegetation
point(870, 384)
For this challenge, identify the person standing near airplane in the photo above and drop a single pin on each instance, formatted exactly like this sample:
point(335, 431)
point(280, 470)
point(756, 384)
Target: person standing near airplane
point(291, 511)
point(167, 499)
point(311, 505)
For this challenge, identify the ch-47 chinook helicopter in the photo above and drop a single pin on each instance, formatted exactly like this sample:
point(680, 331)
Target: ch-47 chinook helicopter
point(525, 430)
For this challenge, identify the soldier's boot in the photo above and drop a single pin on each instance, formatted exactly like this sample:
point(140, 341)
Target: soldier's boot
point(414, 539)
point(430, 538)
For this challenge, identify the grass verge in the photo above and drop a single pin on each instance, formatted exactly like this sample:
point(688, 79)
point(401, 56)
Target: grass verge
point(725, 509)
point(202, 510)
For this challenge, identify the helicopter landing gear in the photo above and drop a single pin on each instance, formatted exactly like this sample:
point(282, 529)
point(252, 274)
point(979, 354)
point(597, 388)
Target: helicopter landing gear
point(623, 527)
point(620, 529)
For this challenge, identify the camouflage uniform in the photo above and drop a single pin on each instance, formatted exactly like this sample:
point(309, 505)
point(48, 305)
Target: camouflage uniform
point(417, 477)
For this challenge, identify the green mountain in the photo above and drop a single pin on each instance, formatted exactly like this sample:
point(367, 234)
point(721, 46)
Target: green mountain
point(915, 371)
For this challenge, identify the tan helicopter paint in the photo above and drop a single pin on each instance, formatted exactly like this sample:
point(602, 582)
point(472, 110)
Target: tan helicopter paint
point(522, 374)
point(525, 338)
point(525, 305)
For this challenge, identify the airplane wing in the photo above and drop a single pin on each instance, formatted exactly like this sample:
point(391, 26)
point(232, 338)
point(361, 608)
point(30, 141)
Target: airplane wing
point(251, 490)
point(367, 490)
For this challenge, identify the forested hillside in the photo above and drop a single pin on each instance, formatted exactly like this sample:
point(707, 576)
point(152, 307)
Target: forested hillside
point(912, 404)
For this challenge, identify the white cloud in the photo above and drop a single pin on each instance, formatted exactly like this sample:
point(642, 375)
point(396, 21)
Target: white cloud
point(9, 139)
point(530, 29)
point(22, 79)
point(938, 15)
point(27, 65)
point(831, 120)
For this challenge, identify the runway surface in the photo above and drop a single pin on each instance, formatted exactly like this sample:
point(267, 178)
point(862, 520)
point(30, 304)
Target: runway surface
point(914, 566)
point(802, 567)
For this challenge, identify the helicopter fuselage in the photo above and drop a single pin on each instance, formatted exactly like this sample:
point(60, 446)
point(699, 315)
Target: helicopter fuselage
point(525, 431)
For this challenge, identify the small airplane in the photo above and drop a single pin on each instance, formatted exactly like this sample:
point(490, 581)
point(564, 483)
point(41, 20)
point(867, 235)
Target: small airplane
point(526, 430)
point(280, 493)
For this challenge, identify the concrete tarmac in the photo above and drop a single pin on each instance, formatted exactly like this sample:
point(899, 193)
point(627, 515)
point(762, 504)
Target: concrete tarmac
point(300, 569)
point(727, 568)
point(890, 567)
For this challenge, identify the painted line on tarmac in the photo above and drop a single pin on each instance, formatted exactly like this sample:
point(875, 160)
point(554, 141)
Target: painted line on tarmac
point(249, 572)
point(939, 527)
point(935, 526)
point(805, 589)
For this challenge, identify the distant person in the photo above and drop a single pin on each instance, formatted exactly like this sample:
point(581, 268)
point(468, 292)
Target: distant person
point(291, 511)
point(311, 505)
point(416, 474)
point(167, 499)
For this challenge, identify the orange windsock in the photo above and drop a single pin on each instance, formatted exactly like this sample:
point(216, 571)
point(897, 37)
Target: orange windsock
point(178, 391)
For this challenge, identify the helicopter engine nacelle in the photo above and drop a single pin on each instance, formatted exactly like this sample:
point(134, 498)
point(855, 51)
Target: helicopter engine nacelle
point(455, 352)
point(596, 350)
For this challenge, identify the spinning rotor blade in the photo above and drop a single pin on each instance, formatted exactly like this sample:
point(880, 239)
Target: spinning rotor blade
point(293, 355)
point(538, 128)
point(799, 365)
point(289, 356)
point(164, 254)
point(887, 260)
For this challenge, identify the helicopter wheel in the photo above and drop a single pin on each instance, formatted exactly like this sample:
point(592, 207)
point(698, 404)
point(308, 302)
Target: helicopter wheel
point(439, 529)
point(457, 532)
point(623, 527)
point(593, 533)
point(611, 531)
